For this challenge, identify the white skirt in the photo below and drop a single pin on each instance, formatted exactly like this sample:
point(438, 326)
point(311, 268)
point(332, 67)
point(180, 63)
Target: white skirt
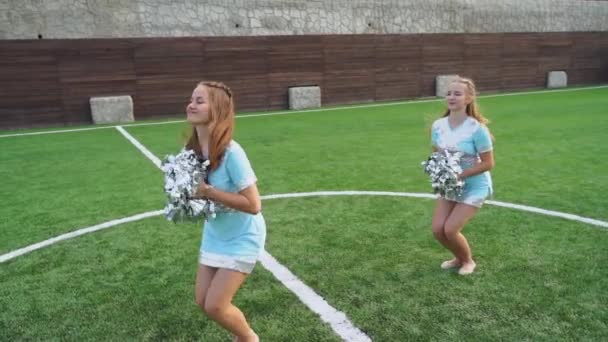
point(239, 264)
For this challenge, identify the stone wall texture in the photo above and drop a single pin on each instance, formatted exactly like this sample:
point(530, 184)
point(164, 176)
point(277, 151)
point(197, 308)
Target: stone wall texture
point(32, 19)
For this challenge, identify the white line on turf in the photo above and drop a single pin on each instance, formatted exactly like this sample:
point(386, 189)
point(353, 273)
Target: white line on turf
point(371, 105)
point(571, 217)
point(139, 146)
point(536, 210)
point(73, 234)
point(335, 318)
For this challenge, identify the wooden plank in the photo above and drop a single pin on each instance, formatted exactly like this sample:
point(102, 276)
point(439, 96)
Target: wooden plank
point(301, 54)
point(167, 48)
point(520, 45)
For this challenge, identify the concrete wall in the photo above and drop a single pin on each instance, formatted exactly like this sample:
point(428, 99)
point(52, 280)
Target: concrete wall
point(31, 19)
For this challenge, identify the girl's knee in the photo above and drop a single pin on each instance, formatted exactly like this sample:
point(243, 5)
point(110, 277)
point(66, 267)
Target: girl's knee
point(439, 235)
point(452, 230)
point(213, 309)
point(438, 231)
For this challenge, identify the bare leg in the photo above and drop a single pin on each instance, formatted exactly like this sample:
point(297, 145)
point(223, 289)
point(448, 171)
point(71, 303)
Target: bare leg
point(460, 215)
point(218, 304)
point(204, 276)
point(443, 208)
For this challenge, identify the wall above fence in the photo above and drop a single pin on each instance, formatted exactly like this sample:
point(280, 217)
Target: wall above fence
point(60, 19)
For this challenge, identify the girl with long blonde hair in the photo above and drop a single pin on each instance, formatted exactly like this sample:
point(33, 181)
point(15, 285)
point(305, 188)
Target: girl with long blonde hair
point(463, 129)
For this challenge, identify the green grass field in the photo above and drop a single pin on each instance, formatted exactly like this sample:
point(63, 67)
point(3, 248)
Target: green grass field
point(539, 278)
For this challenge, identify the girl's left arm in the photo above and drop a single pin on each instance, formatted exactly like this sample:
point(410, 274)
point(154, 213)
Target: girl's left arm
point(239, 169)
point(482, 140)
point(247, 200)
point(486, 164)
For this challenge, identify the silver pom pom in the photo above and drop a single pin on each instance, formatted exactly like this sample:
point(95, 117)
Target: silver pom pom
point(183, 173)
point(443, 167)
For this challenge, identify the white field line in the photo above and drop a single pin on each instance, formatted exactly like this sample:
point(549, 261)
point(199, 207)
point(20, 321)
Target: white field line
point(73, 234)
point(154, 159)
point(245, 116)
point(535, 210)
point(335, 318)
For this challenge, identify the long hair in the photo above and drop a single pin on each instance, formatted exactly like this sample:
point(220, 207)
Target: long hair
point(221, 122)
point(472, 108)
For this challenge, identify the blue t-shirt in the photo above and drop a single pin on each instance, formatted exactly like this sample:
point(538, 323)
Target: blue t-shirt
point(234, 233)
point(471, 138)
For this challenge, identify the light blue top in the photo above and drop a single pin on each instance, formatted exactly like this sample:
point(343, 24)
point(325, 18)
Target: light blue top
point(234, 233)
point(471, 138)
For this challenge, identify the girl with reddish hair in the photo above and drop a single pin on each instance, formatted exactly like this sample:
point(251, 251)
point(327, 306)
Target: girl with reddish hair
point(233, 240)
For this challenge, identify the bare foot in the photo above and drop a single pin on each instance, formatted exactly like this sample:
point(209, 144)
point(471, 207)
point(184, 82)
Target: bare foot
point(446, 265)
point(252, 337)
point(467, 268)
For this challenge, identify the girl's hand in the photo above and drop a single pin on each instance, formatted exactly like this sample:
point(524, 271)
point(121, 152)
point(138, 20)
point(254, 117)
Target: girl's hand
point(462, 175)
point(203, 190)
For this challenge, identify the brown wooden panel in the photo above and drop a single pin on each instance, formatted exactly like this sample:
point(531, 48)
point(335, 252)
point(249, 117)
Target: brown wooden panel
point(441, 54)
point(162, 96)
point(603, 55)
point(50, 81)
point(398, 47)
point(588, 58)
point(443, 48)
point(167, 71)
point(521, 73)
point(348, 86)
point(175, 67)
point(241, 63)
point(349, 69)
point(486, 73)
point(221, 60)
point(586, 76)
point(167, 47)
point(585, 44)
point(585, 63)
point(95, 68)
point(397, 67)
point(554, 44)
point(520, 45)
point(22, 50)
point(483, 55)
point(348, 52)
point(30, 94)
point(433, 68)
point(297, 54)
point(554, 63)
point(483, 46)
point(408, 86)
point(251, 92)
point(21, 117)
